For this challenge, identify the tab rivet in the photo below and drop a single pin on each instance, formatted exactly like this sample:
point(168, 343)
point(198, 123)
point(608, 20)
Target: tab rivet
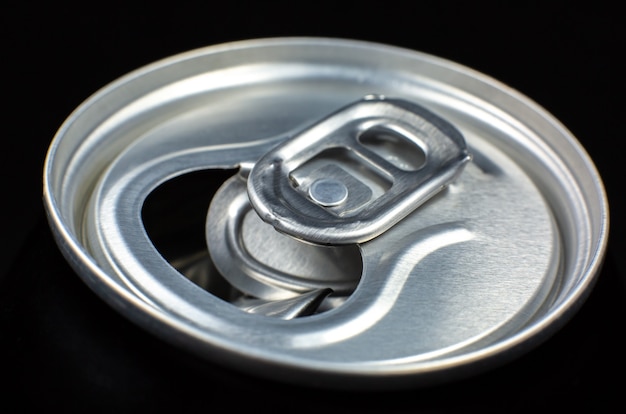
point(328, 192)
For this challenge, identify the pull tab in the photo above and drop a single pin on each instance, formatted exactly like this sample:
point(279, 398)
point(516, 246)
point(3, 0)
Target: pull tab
point(356, 173)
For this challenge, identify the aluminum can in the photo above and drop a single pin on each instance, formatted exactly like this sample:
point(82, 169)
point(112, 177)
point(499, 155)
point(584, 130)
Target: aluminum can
point(371, 216)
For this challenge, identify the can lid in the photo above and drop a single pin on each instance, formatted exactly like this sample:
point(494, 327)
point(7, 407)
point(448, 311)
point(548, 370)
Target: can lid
point(358, 284)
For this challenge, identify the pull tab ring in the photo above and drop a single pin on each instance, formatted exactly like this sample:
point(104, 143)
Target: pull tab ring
point(356, 173)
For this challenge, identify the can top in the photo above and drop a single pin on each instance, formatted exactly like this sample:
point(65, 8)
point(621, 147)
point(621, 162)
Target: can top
point(438, 263)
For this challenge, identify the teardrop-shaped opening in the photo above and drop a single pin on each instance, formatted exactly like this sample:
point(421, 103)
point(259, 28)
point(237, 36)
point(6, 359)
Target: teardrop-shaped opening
point(174, 214)
point(174, 217)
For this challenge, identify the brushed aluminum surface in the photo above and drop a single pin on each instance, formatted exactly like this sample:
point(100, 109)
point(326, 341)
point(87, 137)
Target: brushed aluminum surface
point(478, 274)
point(363, 147)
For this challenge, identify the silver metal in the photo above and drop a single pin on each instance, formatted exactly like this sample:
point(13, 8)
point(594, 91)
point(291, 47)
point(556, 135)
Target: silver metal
point(378, 134)
point(266, 264)
point(481, 272)
point(303, 305)
point(328, 192)
point(358, 148)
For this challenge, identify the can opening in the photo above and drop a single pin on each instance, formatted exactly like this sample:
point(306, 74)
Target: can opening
point(287, 278)
point(173, 216)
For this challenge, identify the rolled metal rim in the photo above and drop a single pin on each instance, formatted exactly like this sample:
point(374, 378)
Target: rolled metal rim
point(65, 200)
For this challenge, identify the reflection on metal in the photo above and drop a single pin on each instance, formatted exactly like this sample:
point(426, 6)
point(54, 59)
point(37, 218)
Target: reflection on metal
point(302, 305)
point(314, 172)
point(364, 145)
point(481, 271)
point(328, 192)
point(259, 261)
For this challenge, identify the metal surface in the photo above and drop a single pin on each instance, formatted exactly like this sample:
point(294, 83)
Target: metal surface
point(385, 157)
point(266, 264)
point(479, 273)
point(328, 192)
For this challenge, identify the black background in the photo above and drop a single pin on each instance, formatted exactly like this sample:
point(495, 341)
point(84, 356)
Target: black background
point(61, 346)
